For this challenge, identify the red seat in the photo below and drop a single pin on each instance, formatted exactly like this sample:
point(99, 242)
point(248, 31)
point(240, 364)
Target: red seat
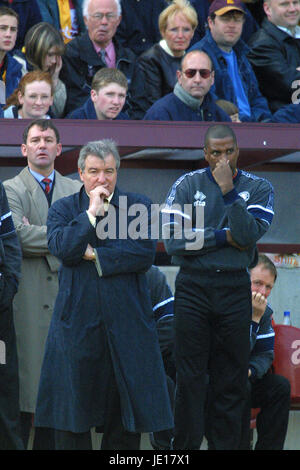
point(287, 358)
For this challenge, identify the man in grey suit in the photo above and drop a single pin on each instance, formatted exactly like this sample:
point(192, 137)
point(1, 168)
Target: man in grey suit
point(30, 194)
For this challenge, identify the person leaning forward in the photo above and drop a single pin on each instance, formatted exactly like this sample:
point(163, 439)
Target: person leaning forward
point(212, 291)
point(102, 364)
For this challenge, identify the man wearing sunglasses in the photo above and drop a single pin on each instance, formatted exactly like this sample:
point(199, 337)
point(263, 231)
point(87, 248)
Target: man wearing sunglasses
point(235, 80)
point(191, 99)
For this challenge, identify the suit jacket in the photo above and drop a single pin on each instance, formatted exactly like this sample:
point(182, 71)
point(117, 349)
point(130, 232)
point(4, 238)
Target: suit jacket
point(34, 302)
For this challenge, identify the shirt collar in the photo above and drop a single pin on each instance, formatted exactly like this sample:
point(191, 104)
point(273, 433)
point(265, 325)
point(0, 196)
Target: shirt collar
point(288, 31)
point(109, 49)
point(40, 177)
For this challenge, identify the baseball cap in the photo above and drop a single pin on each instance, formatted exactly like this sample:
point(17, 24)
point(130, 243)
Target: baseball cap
point(220, 7)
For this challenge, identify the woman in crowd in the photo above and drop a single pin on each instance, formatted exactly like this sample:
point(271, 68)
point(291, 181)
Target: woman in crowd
point(155, 71)
point(44, 47)
point(33, 97)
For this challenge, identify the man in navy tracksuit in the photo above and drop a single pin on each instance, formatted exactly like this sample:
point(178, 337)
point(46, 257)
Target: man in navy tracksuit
point(225, 212)
point(10, 269)
point(268, 391)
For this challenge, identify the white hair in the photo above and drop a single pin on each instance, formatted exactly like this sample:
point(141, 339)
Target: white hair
point(85, 7)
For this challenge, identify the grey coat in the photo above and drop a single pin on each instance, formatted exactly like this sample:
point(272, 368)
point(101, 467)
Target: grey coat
point(34, 302)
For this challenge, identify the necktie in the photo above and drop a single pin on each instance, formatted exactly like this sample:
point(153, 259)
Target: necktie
point(47, 182)
point(102, 54)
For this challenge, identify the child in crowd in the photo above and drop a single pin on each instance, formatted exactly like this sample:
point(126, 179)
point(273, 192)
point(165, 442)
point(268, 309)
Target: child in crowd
point(230, 108)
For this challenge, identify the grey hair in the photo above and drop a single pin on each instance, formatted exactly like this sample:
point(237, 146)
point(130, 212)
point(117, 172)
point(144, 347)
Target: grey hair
point(101, 149)
point(85, 7)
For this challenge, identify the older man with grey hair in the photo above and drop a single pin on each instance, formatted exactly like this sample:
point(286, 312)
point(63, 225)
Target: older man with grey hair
point(94, 49)
point(102, 364)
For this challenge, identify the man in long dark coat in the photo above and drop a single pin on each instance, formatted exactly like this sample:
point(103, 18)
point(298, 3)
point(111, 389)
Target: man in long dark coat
point(10, 269)
point(102, 364)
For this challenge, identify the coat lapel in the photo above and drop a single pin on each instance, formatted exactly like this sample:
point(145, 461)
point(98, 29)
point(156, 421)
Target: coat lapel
point(38, 196)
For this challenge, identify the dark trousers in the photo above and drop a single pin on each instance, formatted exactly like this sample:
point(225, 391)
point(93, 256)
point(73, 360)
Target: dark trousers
point(212, 322)
point(10, 433)
point(115, 436)
point(43, 437)
point(162, 440)
point(271, 394)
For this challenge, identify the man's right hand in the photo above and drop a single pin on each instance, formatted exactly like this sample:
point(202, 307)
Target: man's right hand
point(97, 196)
point(259, 304)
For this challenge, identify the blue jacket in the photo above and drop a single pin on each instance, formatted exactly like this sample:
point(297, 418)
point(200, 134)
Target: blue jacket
point(262, 345)
point(29, 15)
point(289, 113)
point(13, 74)
point(102, 320)
point(87, 111)
point(138, 29)
point(223, 86)
point(171, 108)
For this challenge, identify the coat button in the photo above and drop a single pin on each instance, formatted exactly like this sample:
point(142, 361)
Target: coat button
point(46, 307)
point(49, 278)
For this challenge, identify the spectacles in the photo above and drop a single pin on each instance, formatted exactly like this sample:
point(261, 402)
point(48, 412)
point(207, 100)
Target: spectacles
point(204, 73)
point(236, 17)
point(100, 16)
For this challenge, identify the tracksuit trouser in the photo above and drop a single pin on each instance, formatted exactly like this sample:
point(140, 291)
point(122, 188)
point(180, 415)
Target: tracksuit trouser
point(272, 394)
point(10, 431)
point(212, 338)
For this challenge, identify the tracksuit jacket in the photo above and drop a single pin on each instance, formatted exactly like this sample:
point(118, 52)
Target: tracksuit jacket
point(262, 338)
point(247, 210)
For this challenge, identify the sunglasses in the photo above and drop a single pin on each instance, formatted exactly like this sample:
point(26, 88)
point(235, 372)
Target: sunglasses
point(204, 73)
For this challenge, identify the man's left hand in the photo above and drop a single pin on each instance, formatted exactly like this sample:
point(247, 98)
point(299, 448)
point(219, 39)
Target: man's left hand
point(89, 254)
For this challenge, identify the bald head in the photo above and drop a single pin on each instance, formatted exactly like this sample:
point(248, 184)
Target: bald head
point(196, 76)
point(285, 13)
point(194, 55)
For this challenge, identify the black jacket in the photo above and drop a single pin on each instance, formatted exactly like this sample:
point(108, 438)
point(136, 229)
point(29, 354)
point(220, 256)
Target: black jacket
point(81, 62)
point(153, 78)
point(274, 57)
point(138, 29)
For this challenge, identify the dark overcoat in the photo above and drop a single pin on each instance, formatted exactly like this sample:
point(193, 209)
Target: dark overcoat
point(101, 323)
